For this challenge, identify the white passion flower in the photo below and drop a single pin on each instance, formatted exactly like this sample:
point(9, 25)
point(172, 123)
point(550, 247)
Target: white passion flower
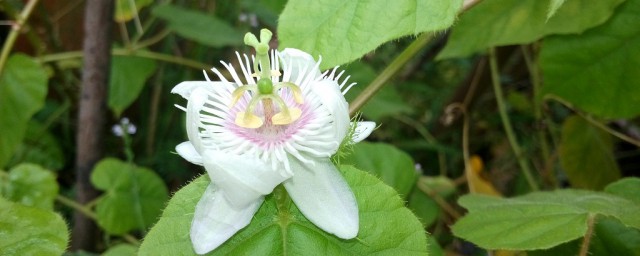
point(274, 126)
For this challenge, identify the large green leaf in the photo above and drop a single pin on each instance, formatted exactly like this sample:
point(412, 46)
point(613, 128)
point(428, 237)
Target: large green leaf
point(597, 71)
point(538, 220)
point(127, 9)
point(198, 26)
point(386, 226)
point(342, 31)
point(128, 76)
point(391, 165)
point(23, 87)
point(506, 22)
point(31, 185)
point(133, 198)
point(586, 155)
point(28, 230)
point(628, 188)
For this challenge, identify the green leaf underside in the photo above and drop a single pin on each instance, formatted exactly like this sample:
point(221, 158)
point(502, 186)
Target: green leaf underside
point(23, 87)
point(586, 155)
point(538, 220)
point(603, 78)
point(199, 26)
point(386, 226)
point(127, 78)
point(30, 185)
point(133, 198)
point(26, 230)
point(389, 164)
point(342, 31)
point(628, 188)
point(507, 22)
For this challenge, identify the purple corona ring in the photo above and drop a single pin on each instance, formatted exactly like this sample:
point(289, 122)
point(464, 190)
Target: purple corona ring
point(276, 121)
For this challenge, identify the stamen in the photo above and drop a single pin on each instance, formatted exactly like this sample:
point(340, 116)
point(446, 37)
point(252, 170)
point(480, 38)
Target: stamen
point(286, 115)
point(237, 93)
point(295, 90)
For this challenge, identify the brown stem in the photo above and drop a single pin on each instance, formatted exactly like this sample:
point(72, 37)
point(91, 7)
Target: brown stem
point(91, 114)
point(584, 247)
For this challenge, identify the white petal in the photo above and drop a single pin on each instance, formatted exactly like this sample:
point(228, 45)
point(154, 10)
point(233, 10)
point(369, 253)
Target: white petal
point(328, 91)
point(241, 178)
point(189, 153)
point(324, 197)
point(363, 130)
point(196, 102)
point(185, 88)
point(295, 59)
point(215, 220)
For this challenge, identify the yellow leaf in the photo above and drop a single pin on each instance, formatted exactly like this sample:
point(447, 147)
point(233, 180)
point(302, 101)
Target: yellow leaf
point(478, 185)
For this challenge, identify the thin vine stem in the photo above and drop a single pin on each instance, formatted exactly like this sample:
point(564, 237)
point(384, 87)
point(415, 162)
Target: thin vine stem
point(86, 211)
point(506, 122)
point(448, 208)
point(389, 72)
point(126, 52)
point(13, 35)
point(530, 60)
point(597, 123)
point(76, 206)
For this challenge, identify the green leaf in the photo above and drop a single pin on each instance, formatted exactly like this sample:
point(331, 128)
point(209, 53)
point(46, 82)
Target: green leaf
point(31, 185)
point(597, 71)
point(342, 31)
point(128, 76)
point(425, 208)
point(391, 165)
point(39, 147)
point(610, 238)
point(121, 250)
point(507, 22)
point(28, 230)
point(127, 9)
point(628, 188)
point(586, 155)
point(386, 226)
point(23, 87)
point(386, 102)
point(434, 247)
point(553, 7)
point(133, 196)
point(198, 26)
point(538, 220)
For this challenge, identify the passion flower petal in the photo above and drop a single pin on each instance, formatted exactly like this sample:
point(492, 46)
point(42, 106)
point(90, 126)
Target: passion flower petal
point(324, 197)
point(215, 220)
